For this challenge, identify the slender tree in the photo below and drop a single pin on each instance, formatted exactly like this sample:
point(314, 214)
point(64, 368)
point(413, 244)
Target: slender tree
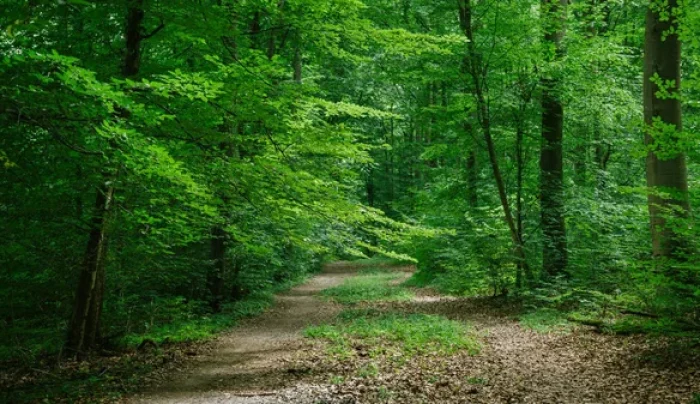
point(478, 73)
point(83, 331)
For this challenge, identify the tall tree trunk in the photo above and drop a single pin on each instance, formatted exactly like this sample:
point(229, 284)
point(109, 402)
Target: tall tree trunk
point(603, 151)
point(524, 274)
point(84, 325)
point(662, 57)
point(603, 148)
point(83, 331)
point(216, 278)
point(134, 27)
point(254, 31)
point(476, 70)
point(519, 198)
point(369, 186)
point(392, 186)
point(272, 38)
point(554, 249)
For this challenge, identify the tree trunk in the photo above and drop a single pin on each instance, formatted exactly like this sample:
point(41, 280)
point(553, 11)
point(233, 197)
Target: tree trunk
point(472, 176)
point(272, 38)
point(603, 148)
point(477, 72)
point(370, 188)
point(519, 199)
point(216, 278)
point(666, 173)
point(554, 249)
point(134, 25)
point(84, 326)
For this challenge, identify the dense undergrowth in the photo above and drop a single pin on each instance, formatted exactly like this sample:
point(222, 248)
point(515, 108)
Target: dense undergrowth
point(35, 371)
point(567, 305)
point(146, 308)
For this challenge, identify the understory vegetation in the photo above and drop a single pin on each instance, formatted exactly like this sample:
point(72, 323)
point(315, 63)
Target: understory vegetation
point(385, 331)
point(381, 333)
point(370, 286)
point(374, 334)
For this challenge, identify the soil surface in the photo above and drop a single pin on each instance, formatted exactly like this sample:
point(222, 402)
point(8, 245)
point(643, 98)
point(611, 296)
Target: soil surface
point(252, 362)
point(266, 360)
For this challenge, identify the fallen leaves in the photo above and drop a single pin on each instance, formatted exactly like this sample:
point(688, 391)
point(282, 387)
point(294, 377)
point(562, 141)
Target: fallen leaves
point(516, 365)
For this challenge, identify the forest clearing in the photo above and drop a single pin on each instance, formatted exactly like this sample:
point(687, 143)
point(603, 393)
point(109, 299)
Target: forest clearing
point(349, 201)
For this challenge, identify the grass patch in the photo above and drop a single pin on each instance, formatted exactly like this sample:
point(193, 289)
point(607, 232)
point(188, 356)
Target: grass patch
point(460, 282)
point(477, 380)
point(546, 320)
point(420, 279)
point(370, 285)
point(411, 334)
point(337, 379)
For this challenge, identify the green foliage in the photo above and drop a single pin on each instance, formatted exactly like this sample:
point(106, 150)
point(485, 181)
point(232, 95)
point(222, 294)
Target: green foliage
point(411, 334)
point(371, 285)
point(466, 264)
point(477, 380)
point(547, 321)
point(658, 326)
point(186, 324)
point(209, 135)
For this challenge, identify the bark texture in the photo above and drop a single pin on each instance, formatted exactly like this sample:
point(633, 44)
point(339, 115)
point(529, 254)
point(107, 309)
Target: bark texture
point(84, 327)
point(554, 250)
point(662, 58)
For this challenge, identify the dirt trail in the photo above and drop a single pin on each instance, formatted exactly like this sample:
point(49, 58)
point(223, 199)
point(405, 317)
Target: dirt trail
point(252, 361)
point(267, 361)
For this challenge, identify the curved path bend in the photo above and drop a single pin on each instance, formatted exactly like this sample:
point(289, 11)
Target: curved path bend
point(250, 364)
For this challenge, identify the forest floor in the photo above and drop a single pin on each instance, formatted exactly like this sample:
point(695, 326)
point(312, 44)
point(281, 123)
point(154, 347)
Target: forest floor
point(362, 359)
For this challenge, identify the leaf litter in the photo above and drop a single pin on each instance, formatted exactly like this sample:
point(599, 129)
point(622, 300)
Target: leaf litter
point(267, 360)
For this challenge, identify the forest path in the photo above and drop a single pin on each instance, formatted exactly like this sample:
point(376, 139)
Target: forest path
point(251, 364)
point(266, 360)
